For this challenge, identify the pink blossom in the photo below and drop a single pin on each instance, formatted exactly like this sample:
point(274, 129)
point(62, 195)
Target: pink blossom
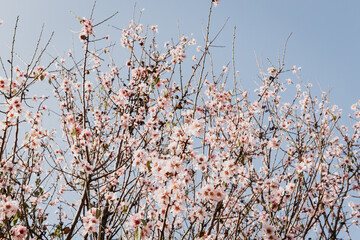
point(216, 2)
point(135, 220)
point(8, 208)
point(269, 232)
point(196, 128)
point(18, 232)
point(90, 221)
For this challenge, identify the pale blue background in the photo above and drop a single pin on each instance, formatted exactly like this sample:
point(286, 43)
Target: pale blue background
point(325, 40)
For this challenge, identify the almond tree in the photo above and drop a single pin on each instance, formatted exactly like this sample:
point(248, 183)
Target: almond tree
point(167, 147)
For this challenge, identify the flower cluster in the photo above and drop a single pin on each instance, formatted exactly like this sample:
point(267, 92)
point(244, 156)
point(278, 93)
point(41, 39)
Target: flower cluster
point(178, 52)
point(8, 208)
point(18, 232)
point(269, 232)
point(87, 29)
point(91, 221)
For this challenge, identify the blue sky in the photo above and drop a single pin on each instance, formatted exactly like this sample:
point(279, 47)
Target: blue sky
point(325, 40)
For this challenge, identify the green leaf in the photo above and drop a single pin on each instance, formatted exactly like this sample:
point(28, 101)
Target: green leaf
point(168, 125)
point(124, 211)
point(36, 193)
point(156, 80)
point(98, 213)
point(38, 181)
point(15, 220)
point(57, 231)
point(138, 233)
point(148, 165)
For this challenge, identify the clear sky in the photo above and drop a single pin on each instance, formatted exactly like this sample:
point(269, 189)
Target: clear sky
point(325, 40)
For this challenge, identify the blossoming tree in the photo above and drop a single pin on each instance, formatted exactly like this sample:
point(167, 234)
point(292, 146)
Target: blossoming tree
point(156, 149)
